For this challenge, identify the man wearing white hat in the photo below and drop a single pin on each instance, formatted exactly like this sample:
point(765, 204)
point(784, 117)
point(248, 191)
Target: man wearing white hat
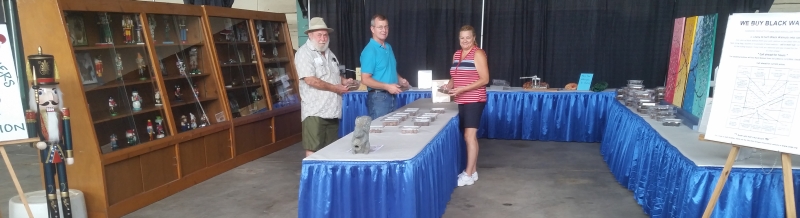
point(321, 87)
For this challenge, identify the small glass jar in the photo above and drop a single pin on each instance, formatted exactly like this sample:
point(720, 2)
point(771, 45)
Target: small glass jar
point(409, 130)
point(422, 121)
point(391, 121)
point(375, 129)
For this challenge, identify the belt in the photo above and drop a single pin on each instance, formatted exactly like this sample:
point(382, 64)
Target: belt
point(377, 90)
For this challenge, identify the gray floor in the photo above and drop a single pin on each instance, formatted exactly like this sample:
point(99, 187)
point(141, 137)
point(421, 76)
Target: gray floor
point(517, 179)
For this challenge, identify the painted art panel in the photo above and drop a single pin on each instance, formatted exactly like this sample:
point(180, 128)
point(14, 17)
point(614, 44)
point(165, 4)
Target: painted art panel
point(685, 60)
point(688, 97)
point(674, 59)
point(704, 68)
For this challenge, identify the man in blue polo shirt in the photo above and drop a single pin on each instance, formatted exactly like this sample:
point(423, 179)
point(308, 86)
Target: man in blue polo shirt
point(379, 70)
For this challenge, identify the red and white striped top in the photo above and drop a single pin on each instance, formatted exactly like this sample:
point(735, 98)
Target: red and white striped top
point(465, 73)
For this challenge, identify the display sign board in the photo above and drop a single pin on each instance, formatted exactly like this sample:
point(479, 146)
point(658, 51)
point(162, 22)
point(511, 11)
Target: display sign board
point(12, 116)
point(758, 83)
point(585, 81)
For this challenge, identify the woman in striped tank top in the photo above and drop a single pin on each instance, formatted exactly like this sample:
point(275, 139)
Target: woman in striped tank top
point(469, 75)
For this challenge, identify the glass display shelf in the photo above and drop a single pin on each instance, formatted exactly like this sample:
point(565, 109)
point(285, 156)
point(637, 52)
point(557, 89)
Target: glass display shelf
point(118, 78)
point(190, 86)
point(275, 59)
point(238, 65)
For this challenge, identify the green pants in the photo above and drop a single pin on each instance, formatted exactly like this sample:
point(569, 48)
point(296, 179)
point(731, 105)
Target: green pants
point(319, 132)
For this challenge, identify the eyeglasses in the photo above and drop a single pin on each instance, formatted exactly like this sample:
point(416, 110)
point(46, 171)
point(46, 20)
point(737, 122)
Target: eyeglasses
point(382, 27)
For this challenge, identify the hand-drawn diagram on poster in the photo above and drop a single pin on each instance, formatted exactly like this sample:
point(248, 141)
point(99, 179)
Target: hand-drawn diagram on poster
point(764, 100)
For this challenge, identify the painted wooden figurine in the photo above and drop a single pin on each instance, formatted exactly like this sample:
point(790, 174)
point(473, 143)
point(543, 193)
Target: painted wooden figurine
point(55, 133)
point(150, 130)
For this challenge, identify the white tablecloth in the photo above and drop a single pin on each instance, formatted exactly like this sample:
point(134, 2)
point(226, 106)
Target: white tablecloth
point(714, 154)
point(396, 146)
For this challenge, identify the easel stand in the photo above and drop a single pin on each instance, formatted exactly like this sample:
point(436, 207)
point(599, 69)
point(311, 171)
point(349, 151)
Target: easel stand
point(788, 187)
point(13, 174)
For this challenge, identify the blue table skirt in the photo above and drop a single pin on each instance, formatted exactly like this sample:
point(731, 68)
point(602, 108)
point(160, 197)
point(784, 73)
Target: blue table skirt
point(419, 187)
point(664, 182)
point(544, 116)
point(667, 184)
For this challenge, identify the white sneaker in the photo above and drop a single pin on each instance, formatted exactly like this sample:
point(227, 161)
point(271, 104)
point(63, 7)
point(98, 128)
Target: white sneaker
point(475, 176)
point(463, 180)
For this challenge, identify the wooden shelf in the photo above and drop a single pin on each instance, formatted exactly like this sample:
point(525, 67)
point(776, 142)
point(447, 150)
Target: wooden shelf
point(98, 47)
point(271, 43)
point(233, 43)
point(286, 60)
point(123, 113)
point(244, 86)
point(168, 78)
point(185, 102)
point(177, 44)
point(236, 65)
point(114, 84)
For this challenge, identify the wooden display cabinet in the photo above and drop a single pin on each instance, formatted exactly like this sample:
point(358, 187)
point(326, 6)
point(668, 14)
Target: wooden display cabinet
point(107, 50)
point(236, 37)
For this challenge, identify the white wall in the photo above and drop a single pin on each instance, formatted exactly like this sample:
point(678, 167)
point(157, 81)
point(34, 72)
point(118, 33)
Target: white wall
point(286, 7)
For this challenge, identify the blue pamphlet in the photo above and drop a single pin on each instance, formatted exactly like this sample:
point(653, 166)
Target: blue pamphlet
point(585, 82)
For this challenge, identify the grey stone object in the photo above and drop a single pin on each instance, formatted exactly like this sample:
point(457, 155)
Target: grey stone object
point(361, 135)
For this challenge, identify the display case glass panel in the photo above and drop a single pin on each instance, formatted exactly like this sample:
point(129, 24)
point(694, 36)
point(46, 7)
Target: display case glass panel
point(238, 66)
point(275, 58)
point(186, 69)
point(118, 79)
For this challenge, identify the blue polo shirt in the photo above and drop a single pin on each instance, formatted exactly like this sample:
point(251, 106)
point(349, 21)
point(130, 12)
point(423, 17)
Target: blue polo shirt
point(379, 62)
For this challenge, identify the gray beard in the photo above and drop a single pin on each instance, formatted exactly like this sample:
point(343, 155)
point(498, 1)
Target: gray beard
point(321, 47)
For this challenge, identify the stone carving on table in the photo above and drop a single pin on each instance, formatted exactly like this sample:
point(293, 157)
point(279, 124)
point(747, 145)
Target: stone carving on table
point(361, 135)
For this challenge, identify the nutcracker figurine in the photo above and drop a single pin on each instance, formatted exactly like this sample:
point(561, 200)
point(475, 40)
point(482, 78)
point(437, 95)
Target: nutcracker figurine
point(184, 125)
point(158, 98)
point(152, 21)
point(113, 139)
point(141, 65)
point(98, 66)
point(182, 29)
point(166, 30)
point(196, 91)
point(54, 131)
point(260, 28)
point(127, 29)
point(111, 105)
point(178, 93)
point(193, 121)
point(150, 130)
point(131, 136)
point(136, 101)
point(118, 66)
point(159, 128)
point(203, 121)
point(103, 22)
point(181, 67)
point(193, 61)
point(139, 39)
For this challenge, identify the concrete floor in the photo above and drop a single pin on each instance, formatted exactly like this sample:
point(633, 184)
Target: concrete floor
point(517, 179)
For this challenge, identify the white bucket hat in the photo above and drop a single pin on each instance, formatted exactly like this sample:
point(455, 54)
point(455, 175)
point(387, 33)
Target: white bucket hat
point(317, 23)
